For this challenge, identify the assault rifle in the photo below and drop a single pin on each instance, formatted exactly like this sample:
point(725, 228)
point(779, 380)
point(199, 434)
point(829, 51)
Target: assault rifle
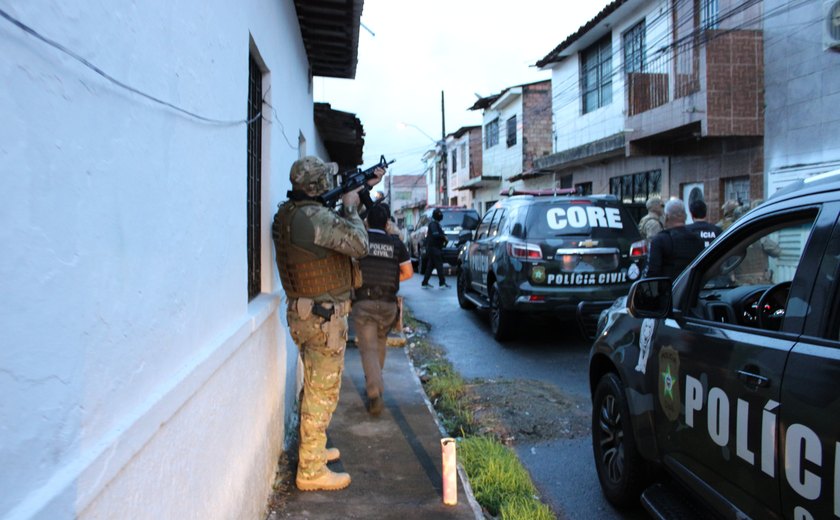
point(352, 180)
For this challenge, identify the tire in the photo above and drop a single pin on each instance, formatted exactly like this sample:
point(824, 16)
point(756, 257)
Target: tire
point(622, 471)
point(461, 287)
point(501, 320)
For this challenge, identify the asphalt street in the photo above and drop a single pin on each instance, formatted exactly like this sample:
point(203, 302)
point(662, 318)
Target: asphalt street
point(551, 351)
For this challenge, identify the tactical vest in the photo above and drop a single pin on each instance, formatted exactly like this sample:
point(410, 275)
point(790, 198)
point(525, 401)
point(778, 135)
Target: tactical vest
point(307, 272)
point(380, 269)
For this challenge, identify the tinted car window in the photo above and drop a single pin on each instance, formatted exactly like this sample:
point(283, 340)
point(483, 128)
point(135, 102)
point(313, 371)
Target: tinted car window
point(494, 226)
point(485, 225)
point(455, 218)
point(596, 219)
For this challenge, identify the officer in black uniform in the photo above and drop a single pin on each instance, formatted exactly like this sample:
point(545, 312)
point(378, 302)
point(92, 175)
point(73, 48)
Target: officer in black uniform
point(435, 242)
point(700, 227)
point(374, 308)
point(673, 248)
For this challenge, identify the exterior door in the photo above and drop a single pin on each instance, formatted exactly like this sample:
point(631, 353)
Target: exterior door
point(479, 255)
point(720, 368)
point(691, 192)
point(809, 431)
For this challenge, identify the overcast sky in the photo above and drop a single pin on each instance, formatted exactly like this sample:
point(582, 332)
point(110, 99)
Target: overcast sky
point(462, 47)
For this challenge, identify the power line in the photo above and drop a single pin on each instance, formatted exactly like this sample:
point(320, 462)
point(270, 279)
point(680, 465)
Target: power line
point(52, 43)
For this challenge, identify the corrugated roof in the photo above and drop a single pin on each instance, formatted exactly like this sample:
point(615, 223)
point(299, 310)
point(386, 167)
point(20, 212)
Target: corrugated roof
point(555, 55)
point(330, 32)
point(342, 133)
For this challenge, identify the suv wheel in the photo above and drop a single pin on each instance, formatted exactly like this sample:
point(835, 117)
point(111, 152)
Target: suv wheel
point(461, 287)
point(501, 320)
point(622, 471)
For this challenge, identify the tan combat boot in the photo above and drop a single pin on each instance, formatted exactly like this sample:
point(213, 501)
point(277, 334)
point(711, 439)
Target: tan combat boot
point(329, 481)
point(332, 454)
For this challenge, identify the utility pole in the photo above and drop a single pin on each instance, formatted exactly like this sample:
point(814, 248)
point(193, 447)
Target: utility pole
point(444, 174)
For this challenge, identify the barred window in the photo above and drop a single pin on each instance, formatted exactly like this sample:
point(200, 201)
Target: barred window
point(596, 75)
point(491, 133)
point(511, 131)
point(254, 177)
point(709, 14)
point(634, 48)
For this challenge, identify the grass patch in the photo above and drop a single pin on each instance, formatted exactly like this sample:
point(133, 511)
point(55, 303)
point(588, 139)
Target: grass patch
point(499, 481)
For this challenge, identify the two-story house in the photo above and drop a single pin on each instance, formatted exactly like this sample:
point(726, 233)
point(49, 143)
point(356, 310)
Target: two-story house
point(407, 196)
point(464, 148)
point(661, 98)
point(146, 369)
point(516, 131)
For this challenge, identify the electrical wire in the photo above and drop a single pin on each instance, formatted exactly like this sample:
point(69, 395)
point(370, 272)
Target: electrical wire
point(52, 43)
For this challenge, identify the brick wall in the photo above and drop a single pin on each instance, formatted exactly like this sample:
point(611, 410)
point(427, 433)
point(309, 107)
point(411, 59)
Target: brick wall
point(536, 123)
point(714, 161)
point(735, 83)
point(475, 152)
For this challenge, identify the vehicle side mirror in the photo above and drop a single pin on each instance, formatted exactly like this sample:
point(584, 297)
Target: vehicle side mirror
point(464, 236)
point(470, 222)
point(650, 298)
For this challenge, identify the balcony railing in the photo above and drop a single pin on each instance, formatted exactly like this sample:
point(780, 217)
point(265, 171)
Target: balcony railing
point(651, 88)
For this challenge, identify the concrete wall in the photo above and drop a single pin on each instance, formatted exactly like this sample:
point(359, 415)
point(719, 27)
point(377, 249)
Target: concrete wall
point(802, 96)
point(138, 381)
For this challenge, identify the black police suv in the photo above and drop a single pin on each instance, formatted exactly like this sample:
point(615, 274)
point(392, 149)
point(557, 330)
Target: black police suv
point(549, 254)
point(727, 381)
point(455, 220)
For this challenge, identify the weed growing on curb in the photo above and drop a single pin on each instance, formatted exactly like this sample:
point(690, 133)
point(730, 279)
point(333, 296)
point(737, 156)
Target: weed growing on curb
point(500, 483)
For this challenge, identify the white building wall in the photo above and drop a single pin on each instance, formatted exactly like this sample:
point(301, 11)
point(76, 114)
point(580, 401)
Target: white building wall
point(802, 96)
point(139, 379)
point(462, 173)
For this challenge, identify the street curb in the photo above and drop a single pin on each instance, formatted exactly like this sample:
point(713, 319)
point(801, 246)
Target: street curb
point(474, 505)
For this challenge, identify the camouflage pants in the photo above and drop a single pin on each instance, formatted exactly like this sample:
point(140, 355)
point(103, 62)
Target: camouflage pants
point(321, 343)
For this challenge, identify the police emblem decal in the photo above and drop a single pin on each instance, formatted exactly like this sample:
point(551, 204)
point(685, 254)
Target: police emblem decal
point(633, 271)
point(645, 338)
point(669, 382)
point(538, 274)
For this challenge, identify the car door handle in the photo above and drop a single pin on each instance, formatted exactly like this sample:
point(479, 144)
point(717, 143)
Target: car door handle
point(753, 379)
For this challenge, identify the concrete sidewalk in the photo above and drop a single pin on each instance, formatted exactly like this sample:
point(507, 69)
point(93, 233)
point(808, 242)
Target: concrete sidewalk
point(394, 459)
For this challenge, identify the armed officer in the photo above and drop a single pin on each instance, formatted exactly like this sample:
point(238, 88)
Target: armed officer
point(316, 247)
point(653, 222)
point(375, 302)
point(672, 249)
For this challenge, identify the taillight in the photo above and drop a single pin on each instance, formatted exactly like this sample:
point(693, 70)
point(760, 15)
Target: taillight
point(524, 250)
point(638, 249)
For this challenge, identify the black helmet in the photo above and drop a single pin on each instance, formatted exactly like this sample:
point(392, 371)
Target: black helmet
point(437, 214)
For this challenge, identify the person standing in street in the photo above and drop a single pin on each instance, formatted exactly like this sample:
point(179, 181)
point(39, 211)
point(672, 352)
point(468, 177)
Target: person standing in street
point(700, 227)
point(435, 242)
point(375, 302)
point(652, 223)
point(675, 247)
point(315, 247)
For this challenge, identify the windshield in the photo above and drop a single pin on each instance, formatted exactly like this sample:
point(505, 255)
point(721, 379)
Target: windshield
point(456, 218)
point(596, 219)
